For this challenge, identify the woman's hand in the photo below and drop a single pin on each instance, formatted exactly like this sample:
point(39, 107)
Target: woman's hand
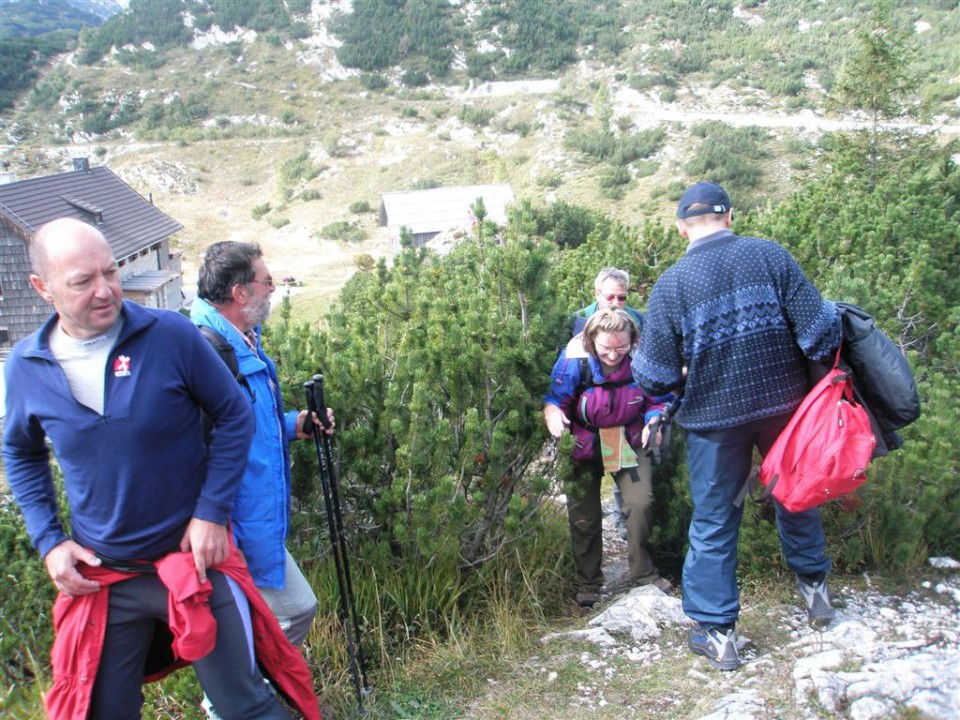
point(555, 419)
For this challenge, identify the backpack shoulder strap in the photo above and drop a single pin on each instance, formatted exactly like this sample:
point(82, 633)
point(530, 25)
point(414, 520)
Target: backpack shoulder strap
point(225, 351)
point(586, 376)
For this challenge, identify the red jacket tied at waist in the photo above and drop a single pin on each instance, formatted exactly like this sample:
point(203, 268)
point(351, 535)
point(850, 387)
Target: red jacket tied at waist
point(80, 624)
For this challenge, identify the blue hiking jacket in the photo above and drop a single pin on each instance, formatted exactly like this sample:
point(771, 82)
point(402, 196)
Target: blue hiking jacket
point(262, 509)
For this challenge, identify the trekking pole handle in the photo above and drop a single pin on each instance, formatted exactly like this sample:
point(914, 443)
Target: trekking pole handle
point(308, 423)
point(320, 401)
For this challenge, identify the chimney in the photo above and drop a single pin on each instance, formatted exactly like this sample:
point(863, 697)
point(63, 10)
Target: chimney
point(81, 164)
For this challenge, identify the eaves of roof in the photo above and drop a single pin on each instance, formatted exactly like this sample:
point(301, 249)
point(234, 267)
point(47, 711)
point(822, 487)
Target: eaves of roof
point(128, 220)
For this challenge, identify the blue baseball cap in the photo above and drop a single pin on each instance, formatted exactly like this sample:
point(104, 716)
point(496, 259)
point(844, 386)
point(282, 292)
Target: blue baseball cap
point(708, 195)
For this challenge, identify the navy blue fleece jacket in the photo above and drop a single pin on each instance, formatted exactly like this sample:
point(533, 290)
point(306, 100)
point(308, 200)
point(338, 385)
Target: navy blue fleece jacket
point(135, 475)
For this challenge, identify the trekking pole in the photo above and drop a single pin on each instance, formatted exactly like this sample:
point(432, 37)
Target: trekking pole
point(316, 403)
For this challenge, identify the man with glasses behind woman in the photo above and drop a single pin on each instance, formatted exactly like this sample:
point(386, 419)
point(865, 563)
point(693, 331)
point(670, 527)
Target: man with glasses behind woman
point(592, 394)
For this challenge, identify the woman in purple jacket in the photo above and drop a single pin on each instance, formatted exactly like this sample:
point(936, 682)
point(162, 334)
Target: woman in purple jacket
point(592, 394)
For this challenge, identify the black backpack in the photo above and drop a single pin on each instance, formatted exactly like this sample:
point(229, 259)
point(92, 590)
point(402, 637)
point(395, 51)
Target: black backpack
point(225, 351)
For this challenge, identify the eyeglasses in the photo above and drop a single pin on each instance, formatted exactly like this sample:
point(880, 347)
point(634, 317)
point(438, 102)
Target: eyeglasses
point(268, 282)
point(611, 298)
point(622, 350)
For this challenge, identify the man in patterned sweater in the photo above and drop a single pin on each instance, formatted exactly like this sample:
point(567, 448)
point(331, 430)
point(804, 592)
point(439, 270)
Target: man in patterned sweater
point(738, 316)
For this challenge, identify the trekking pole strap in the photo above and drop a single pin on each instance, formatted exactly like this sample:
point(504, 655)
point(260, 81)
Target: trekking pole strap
point(749, 485)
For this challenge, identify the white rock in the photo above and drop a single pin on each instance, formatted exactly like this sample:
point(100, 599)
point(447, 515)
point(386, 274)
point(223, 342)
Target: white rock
point(830, 689)
point(597, 636)
point(871, 708)
point(944, 563)
point(640, 614)
point(740, 705)
point(805, 667)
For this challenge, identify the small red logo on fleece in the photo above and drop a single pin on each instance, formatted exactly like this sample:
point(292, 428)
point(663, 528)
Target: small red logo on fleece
point(121, 366)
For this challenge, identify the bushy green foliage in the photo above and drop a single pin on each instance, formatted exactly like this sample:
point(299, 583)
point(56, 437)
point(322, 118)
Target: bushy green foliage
point(618, 150)
point(435, 368)
point(26, 627)
point(364, 262)
point(260, 210)
point(543, 36)
point(299, 30)
point(111, 113)
point(141, 59)
point(299, 7)
point(383, 34)
point(177, 113)
point(438, 414)
point(415, 78)
point(358, 207)
point(476, 116)
point(889, 241)
point(298, 168)
point(562, 223)
point(730, 156)
point(262, 16)
point(421, 35)
point(424, 184)
point(342, 230)
point(21, 58)
point(159, 22)
point(877, 77)
point(374, 81)
point(47, 92)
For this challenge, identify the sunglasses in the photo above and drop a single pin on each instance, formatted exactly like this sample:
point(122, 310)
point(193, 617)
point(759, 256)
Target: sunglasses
point(611, 298)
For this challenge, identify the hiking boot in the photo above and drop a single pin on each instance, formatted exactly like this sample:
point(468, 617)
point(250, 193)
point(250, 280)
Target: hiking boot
point(816, 598)
point(588, 598)
point(622, 529)
point(662, 584)
point(719, 647)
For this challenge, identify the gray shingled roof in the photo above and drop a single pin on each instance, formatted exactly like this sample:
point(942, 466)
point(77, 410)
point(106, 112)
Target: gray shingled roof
point(128, 220)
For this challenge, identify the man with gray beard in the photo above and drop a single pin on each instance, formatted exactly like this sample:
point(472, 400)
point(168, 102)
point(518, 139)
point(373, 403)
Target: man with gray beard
point(233, 300)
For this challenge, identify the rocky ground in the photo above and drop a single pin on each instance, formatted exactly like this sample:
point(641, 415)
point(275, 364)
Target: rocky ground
point(883, 656)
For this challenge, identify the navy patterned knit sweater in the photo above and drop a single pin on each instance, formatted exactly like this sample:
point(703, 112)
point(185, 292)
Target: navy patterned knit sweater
point(739, 313)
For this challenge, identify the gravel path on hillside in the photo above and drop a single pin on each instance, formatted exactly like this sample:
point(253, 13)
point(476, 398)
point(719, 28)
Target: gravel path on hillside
point(883, 657)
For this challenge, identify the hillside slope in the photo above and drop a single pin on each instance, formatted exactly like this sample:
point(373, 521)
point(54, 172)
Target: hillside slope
point(250, 107)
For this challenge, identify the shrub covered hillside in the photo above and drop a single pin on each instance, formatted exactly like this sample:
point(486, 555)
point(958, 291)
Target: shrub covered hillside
point(436, 367)
point(137, 71)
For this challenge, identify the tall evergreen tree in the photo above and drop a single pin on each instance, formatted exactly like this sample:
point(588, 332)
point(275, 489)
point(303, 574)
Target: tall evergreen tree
point(877, 79)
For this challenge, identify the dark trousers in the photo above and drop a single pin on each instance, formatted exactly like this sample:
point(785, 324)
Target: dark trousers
point(585, 518)
point(228, 674)
point(719, 462)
